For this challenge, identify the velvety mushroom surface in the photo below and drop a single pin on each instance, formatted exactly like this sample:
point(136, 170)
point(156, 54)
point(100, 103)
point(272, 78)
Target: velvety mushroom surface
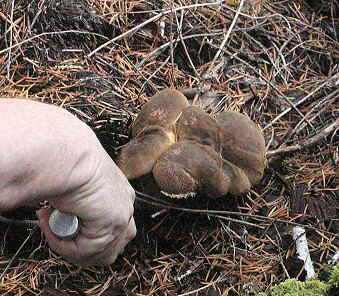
point(163, 109)
point(242, 143)
point(189, 167)
point(197, 126)
point(188, 151)
point(153, 131)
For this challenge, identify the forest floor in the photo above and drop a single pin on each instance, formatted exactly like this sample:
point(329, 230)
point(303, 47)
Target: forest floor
point(276, 61)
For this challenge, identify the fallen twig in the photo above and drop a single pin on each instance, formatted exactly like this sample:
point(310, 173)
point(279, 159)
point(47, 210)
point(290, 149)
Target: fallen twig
point(299, 235)
point(308, 142)
point(222, 45)
point(18, 222)
point(152, 19)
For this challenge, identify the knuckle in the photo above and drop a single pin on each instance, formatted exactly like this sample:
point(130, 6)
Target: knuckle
point(120, 223)
point(132, 230)
point(133, 194)
point(132, 233)
point(130, 192)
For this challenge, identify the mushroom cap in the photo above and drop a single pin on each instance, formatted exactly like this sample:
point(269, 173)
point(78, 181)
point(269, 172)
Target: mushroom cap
point(240, 182)
point(138, 156)
point(242, 143)
point(188, 167)
point(196, 125)
point(163, 109)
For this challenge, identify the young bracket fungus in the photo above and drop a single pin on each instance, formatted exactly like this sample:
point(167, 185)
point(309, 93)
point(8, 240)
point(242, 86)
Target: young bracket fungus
point(188, 151)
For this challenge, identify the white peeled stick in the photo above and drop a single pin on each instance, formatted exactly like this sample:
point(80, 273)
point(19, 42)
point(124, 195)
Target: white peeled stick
point(64, 226)
point(299, 235)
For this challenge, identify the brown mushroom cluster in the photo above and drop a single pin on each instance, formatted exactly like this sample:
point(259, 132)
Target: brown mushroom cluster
point(189, 151)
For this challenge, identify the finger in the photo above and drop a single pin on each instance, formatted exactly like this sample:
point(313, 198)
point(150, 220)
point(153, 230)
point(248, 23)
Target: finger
point(131, 230)
point(128, 235)
point(117, 249)
point(84, 251)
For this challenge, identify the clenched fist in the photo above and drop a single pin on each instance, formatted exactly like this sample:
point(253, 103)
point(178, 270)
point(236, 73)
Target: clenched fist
point(48, 154)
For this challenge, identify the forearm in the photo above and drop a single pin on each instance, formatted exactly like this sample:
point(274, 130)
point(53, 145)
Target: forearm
point(36, 141)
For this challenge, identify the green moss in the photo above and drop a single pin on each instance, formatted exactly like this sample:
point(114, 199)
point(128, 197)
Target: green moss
point(333, 281)
point(293, 287)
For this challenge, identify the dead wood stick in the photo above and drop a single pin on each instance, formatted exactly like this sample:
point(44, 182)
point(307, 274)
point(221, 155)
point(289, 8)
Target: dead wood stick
point(152, 19)
point(327, 100)
point(18, 222)
point(319, 87)
point(220, 51)
point(308, 142)
point(18, 251)
point(149, 199)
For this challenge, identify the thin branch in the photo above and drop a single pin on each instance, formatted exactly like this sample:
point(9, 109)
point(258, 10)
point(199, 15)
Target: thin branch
point(35, 228)
point(46, 34)
point(322, 85)
point(152, 19)
point(308, 142)
point(166, 205)
point(226, 38)
point(18, 222)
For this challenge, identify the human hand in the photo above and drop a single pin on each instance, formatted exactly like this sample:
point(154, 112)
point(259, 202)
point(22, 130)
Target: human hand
point(62, 161)
point(105, 210)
